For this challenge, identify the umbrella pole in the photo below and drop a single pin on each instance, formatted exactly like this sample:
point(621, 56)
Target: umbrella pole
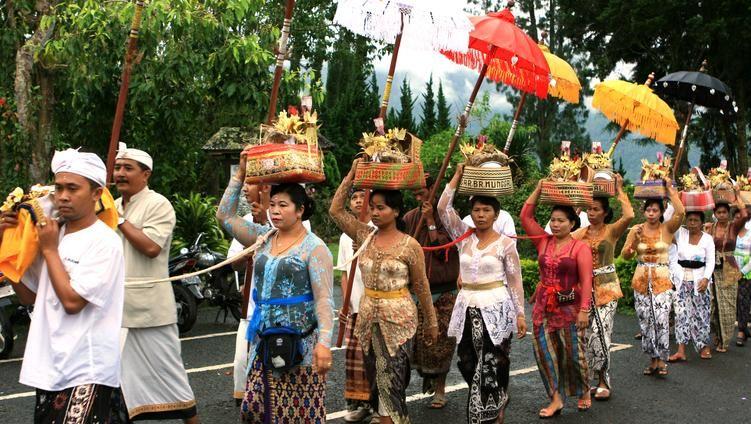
point(617, 138)
point(684, 136)
point(122, 98)
point(281, 54)
point(392, 70)
point(512, 131)
point(454, 140)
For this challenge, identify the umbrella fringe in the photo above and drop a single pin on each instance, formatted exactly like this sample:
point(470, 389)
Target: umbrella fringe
point(566, 91)
point(650, 125)
point(502, 71)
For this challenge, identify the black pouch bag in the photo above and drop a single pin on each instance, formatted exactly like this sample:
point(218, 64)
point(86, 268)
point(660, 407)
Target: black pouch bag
point(280, 347)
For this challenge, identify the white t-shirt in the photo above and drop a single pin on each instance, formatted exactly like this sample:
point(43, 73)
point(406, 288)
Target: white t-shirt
point(583, 219)
point(504, 224)
point(67, 350)
point(358, 287)
point(236, 247)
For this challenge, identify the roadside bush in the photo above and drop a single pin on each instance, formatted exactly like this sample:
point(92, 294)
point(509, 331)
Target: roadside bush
point(197, 214)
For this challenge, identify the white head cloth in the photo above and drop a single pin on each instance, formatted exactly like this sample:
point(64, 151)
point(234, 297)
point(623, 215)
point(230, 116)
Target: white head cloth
point(86, 165)
point(123, 152)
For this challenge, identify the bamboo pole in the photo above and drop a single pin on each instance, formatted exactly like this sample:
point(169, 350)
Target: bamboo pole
point(281, 54)
point(515, 123)
point(455, 139)
point(122, 98)
point(684, 133)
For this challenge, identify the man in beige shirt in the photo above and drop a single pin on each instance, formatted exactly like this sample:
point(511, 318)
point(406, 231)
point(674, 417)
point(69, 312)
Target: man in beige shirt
point(154, 382)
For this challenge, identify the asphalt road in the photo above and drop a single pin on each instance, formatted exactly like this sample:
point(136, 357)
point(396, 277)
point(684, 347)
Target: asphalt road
point(714, 391)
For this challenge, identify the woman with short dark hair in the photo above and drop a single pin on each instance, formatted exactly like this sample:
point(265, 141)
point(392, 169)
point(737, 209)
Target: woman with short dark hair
point(602, 236)
point(293, 280)
point(651, 282)
point(562, 304)
point(726, 271)
point(489, 307)
point(696, 259)
point(391, 264)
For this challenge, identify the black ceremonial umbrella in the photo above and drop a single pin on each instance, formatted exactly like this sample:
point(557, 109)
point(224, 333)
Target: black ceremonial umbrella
point(697, 88)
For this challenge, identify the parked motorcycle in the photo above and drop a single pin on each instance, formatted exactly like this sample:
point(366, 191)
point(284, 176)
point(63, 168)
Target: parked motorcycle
point(6, 327)
point(219, 287)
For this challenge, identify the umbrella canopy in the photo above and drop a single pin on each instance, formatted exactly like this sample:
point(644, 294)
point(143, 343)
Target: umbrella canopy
point(699, 88)
point(564, 84)
point(435, 25)
point(636, 108)
point(510, 55)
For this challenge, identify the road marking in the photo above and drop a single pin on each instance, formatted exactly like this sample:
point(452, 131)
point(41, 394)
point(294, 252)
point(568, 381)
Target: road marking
point(11, 360)
point(461, 386)
point(334, 415)
point(189, 371)
point(208, 336)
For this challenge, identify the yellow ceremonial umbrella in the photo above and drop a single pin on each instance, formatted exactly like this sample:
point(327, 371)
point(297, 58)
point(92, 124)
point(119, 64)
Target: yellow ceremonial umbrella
point(635, 108)
point(564, 84)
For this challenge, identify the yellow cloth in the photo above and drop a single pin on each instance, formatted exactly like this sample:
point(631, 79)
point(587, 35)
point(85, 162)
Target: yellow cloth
point(19, 246)
point(391, 294)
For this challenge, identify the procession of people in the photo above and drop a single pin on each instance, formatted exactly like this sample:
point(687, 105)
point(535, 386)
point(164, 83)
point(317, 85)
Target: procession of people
point(422, 289)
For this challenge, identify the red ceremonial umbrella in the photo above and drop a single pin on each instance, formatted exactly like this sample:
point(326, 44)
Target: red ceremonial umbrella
point(501, 51)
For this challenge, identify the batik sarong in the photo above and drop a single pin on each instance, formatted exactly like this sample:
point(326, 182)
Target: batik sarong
point(653, 312)
point(434, 360)
point(743, 305)
point(485, 368)
point(389, 377)
point(598, 339)
point(296, 396)
point(84, 404)
point(692, 316)
point(724, 296)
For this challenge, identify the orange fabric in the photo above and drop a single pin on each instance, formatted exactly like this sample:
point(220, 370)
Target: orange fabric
point(19, 246)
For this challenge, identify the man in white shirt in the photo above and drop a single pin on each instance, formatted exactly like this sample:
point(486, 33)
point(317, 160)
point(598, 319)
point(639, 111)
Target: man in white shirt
point(504, 224)
point(72, 354)
point(356, 384)
point(154, 382)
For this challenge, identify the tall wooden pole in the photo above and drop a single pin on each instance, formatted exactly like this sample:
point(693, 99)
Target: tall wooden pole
point(455, 139)
point(281, 54)
point(392, 70)
point(515, 123)
point(684, 133)
point(122, 98)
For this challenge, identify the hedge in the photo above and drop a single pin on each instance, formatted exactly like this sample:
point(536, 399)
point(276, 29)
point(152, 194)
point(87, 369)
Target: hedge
point(624, 268)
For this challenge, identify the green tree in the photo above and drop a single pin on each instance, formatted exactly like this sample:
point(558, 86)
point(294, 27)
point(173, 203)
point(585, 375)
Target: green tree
point(392, 119)
point(443, 113)
point(201, 65)
point(428, 124)
point(405, 117)
point(351, 98)
point(649, 37)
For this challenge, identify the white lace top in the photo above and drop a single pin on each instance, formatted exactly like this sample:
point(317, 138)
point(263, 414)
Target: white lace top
point(704, 251)
point(499, 261)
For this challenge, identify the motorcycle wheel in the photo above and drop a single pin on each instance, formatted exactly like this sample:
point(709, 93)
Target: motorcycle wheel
point(6, 336)
point(231, 299)
point(187, 309)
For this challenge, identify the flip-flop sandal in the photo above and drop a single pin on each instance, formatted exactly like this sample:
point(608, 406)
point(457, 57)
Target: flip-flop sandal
point(673, 359)
point(721, 349)
point(662, 371)
point(650, 371)
point(439, 402)
point(549, 415)
point(603, 394)
point(584, 404)
point(707, 355)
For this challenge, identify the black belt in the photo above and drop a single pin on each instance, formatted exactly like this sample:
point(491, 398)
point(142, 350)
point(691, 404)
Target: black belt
point(691, 264)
